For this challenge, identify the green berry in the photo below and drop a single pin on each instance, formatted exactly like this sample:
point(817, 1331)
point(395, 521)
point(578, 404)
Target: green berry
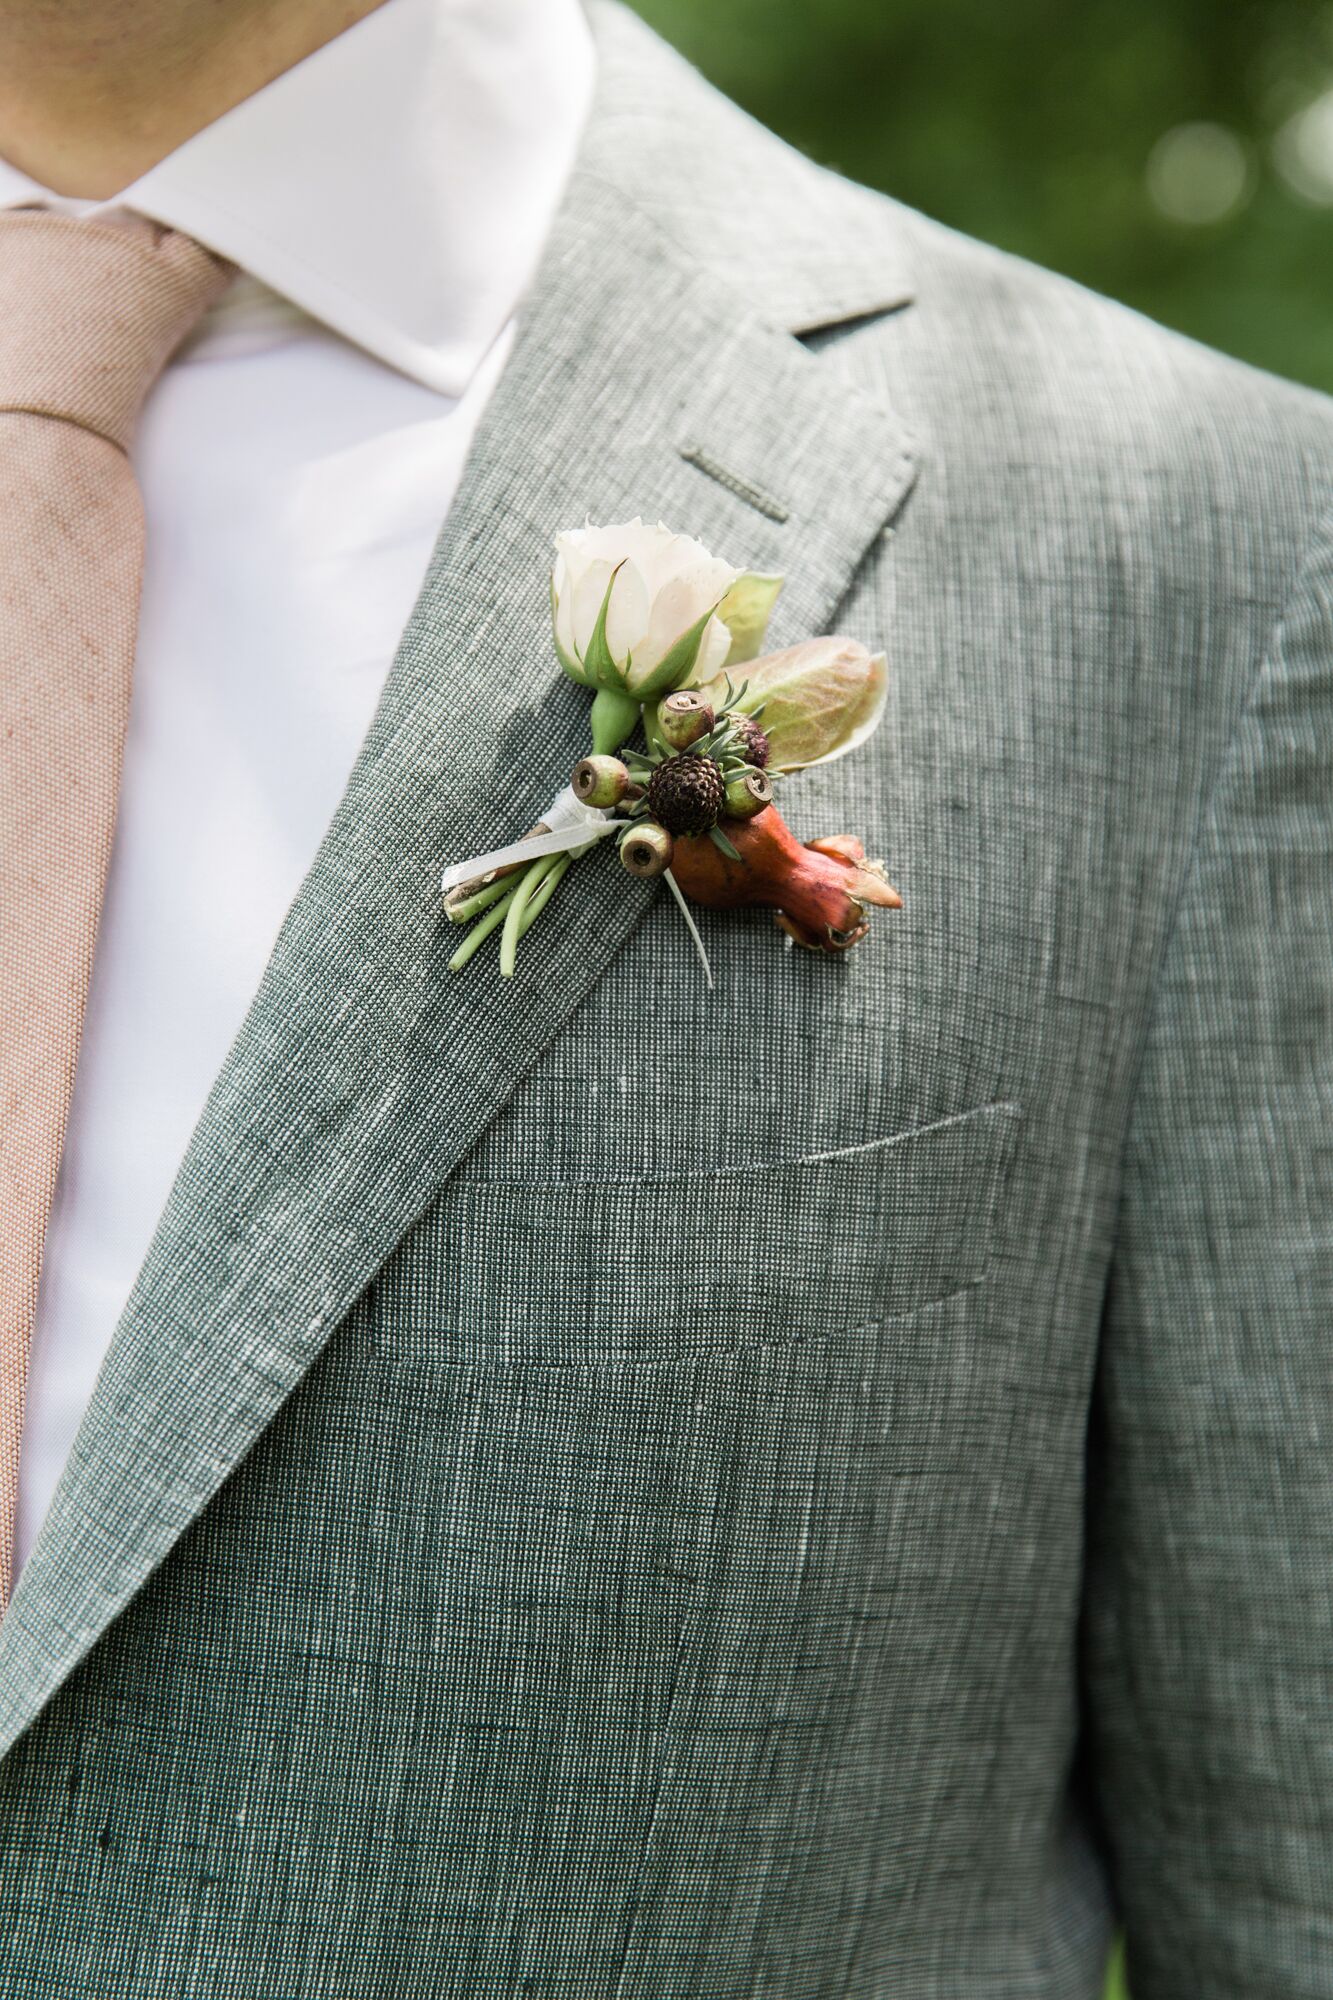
point(747, 794)
point(600, 781)
point(684, 717)
point(646, 849)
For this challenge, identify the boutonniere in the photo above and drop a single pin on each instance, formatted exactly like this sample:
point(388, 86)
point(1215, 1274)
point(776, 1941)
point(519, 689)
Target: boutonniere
point(670, 641)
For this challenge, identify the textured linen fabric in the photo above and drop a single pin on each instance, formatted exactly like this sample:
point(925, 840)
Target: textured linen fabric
point(1209, 1584)
point(592, 1494)
point(88, 316)
point(387, 200)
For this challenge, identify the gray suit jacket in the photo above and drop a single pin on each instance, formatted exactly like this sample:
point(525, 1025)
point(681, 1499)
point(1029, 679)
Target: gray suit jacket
point(822, 1489)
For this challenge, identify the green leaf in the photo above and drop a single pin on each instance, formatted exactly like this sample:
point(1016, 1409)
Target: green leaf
point(599, 668)
point(719, 839)
point(746, 610)
point(673, 670)
point(821, 699)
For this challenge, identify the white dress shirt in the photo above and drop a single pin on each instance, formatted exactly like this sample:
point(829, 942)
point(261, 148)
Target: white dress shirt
point(388, 200)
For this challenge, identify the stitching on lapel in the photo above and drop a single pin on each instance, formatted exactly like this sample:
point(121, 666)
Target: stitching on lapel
point(753, 496)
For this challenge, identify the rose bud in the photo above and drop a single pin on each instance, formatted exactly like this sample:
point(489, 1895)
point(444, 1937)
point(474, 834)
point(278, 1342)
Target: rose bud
point(600, 781)
point(820, 892)
point(684, 717)
point(646, 849)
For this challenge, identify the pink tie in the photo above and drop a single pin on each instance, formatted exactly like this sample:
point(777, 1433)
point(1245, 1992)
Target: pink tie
point(90, 312)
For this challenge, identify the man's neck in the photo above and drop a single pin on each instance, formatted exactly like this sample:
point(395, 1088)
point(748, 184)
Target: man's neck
point(95, 92)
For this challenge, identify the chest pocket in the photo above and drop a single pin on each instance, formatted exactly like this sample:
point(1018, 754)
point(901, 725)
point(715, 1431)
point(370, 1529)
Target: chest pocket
point(572, 1272)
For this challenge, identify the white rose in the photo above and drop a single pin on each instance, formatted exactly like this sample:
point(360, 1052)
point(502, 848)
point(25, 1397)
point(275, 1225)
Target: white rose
point(639, 612)
point(660, 595)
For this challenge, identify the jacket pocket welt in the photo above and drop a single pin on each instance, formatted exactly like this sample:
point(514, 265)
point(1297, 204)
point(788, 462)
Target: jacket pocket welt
point(574, 1272)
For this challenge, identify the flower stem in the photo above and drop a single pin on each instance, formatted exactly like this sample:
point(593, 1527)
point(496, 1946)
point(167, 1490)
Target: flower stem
point(544, 893)
point(493, 918)
point(691, 926)
point(614, 715)
point(464, 912)
point(528, 883)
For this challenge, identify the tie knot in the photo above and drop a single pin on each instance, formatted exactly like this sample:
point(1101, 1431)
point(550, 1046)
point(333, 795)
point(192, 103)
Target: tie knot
point(90, 313)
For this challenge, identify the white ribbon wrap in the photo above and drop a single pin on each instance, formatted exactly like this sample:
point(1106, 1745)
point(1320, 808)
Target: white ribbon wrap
point(572, 826)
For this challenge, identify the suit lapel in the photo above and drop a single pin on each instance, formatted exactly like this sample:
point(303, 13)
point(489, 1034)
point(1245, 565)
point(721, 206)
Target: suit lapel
point(641, 382)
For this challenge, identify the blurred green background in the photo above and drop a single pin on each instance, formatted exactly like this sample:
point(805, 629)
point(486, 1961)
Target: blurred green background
point(1175, 153)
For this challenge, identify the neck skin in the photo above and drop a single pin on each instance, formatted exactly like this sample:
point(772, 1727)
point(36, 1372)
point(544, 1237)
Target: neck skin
point(95, 92)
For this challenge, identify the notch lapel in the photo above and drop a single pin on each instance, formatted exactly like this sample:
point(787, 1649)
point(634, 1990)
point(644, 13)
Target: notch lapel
point(365, 1070)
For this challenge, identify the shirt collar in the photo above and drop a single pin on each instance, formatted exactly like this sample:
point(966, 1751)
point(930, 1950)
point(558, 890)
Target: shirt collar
point(399, 184)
